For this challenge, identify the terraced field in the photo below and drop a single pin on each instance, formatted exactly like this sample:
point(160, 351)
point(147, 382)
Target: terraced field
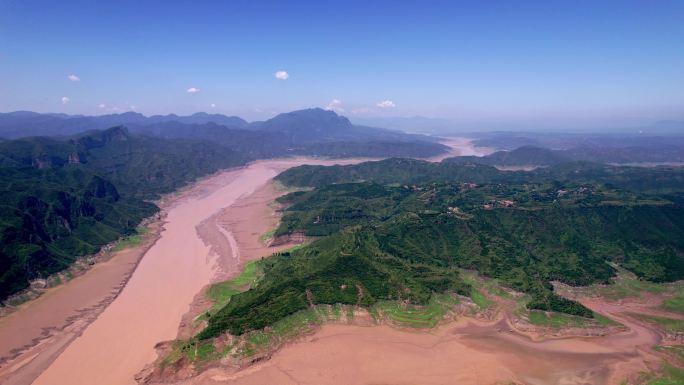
point(413, 316)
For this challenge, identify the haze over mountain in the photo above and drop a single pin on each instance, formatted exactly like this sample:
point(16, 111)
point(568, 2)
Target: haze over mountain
point(308, 124)
point(25, 123)
point(437, 126)
point(415, 124)
point(672, 152)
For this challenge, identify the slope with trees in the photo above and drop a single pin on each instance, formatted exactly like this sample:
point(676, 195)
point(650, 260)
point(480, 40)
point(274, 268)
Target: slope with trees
point(400, 229)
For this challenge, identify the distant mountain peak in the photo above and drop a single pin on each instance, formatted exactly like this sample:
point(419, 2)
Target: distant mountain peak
point(316, 119)
point(100, 138)
point(115, 134)
point(124, 116)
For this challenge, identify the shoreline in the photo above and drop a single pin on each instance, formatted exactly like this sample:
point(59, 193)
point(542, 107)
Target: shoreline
point(331, 353)
point(67, 329)
point(152, 308)
point(201, 302)
point(230, 221)
point(31, 361)
point(28, 361)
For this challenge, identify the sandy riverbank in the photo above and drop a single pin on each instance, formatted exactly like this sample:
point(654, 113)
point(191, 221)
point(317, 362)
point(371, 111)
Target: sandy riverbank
point(234, 234)
point(119, 343)
point(464, 352)
point(35, 333)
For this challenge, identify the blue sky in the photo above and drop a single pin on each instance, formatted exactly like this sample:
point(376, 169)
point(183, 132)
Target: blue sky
point(589, 62)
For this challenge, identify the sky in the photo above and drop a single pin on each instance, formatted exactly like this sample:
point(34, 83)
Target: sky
point(578, 62)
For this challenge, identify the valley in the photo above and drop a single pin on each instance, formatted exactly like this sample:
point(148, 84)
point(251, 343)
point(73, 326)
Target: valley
point(189, 250)
point(63, 313)
point(148, 300)
point(341, 193)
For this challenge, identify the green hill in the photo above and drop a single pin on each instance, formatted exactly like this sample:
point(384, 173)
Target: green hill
point(411, 171)
point(403, 232)
point(66, 198)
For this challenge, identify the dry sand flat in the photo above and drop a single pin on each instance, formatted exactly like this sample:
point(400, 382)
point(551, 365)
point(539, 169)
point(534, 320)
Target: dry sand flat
point(467, 352)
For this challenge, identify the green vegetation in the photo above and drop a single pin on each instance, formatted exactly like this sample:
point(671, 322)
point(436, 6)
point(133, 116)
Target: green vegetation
point(279, 186)
point(672, 376)
point(48, 218)
point(337, 311)
point(560, 320)
point(267, 236)
point(415, 316)
point(254, 342)
point(455, 170)
point(676, 303)
point(405, 239)
point(490, 285)
point(417, 220)
point(670, 325)
point(604, 321)
point(479, 299)
point(129, 241)
point(626, 284)
point(350, 313)
point(347, 268)
point(193, 350)
point(220, 293)
point(669, 374)
point(56, 281)
point(676, 350)
point(67, 197)
point(303, 321)
point(64, 198)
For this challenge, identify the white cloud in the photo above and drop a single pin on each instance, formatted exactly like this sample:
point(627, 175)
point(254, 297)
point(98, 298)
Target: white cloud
point(193, 90)
point(281, 75)
point(65, 99)
point(74, 78)
point(335, 105)
point(132, 108)
point(386, 104)
point(213, 105)
point(102, 106)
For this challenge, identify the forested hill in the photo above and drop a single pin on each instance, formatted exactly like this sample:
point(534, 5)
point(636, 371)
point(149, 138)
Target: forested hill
point(413, 171)
point(65, 198)
point(403, 227)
